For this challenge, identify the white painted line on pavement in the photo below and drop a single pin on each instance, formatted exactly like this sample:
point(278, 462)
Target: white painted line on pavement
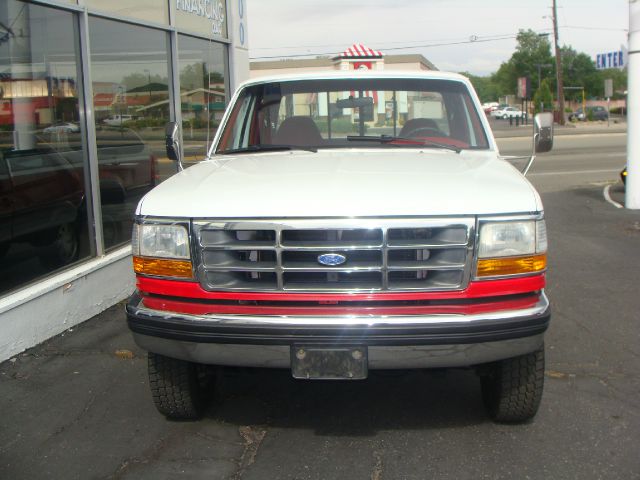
point(572, 172)
point(607, 197)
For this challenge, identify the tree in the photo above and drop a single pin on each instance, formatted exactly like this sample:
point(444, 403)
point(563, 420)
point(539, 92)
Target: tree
point(543, 99)
point(578, 70)
point(619, 78)
point(486, 89)
point(532, 50)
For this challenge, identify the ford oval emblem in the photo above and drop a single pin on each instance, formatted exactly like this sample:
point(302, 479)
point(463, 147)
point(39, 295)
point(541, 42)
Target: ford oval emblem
point(331, 259)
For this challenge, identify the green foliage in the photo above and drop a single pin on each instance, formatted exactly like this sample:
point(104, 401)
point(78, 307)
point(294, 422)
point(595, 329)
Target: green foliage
point(197, 75)
point(533, 50)
point(543, 96)
point(487, 90)
point(145, 122)
point(619, 78)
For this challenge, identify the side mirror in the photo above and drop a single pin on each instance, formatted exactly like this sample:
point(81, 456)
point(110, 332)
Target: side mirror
point(172, 141)
point(543, 132)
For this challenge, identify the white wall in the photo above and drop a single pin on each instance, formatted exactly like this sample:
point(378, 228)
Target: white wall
point(239, 48)
point(38, 312)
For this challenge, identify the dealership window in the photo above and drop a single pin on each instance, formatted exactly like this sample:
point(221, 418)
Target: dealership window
point(202, 66)
point(130, 75)
point(43, 207)
point(147, 10)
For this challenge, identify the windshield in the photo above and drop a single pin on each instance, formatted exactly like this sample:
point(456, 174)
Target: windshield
point(348, 113)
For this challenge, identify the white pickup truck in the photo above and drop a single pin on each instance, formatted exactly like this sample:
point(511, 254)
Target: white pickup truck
point(342, 223)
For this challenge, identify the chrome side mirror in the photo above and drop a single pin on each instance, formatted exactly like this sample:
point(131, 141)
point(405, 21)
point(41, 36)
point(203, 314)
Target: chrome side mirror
point(172, 142)
point(543, 132)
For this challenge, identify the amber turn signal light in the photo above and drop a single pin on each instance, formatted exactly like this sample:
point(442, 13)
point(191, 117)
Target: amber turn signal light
point(162, 267)
point(489, 267)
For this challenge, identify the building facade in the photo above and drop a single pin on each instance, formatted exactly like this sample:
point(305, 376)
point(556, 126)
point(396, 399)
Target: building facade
point(355, 57)
point(86, 88)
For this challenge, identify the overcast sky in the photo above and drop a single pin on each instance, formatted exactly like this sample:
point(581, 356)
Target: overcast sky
point(291, 27)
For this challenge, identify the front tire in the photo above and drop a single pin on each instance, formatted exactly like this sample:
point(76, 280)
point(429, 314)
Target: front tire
point(512, 389)
point(176, 387)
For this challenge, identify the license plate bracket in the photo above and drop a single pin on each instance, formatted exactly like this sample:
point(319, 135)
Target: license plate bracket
point(311, 362)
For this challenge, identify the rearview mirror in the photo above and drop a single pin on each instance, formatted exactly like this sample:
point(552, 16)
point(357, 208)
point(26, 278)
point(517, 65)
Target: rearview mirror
point(543, 132)
point(354, 102)
point(172, 140)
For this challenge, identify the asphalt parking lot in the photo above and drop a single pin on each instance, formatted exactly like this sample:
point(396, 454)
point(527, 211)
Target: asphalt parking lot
point(79, 407)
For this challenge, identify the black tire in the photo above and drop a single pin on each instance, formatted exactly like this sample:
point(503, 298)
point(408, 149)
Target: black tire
point(177, 389)
point(64, 248)
point(512, 388)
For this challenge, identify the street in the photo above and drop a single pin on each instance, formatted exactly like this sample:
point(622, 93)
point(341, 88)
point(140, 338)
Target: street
point(575, 160)
point(79, 406)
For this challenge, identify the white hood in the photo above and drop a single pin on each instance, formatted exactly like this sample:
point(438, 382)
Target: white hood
point(344, 183)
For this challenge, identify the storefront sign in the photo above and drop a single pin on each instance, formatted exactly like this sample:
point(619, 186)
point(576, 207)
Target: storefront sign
point(524, 88)
point(610, 60)
point(212, 11)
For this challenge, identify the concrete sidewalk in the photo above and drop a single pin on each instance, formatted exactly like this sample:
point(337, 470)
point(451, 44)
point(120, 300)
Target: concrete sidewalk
point(79, 407)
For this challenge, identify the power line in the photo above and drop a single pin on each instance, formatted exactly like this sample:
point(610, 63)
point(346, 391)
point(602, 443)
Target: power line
point(472, 39)
point(341, 45)
point(576, 27)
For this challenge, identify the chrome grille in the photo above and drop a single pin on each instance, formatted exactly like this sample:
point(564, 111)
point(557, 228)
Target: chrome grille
point(381, 254)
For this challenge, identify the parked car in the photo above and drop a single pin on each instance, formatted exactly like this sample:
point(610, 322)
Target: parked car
point(117, 120)
point(596, 113)
point(490, 107)
point(41, 197)
point(507, 112)
point(427, 249)
point(42, 190)
point(65, 127)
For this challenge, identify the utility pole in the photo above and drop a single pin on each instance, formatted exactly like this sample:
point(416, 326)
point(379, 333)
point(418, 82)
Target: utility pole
point(632, 189)
point(560, 92)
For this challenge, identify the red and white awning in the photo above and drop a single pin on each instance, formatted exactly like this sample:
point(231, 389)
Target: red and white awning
point(358, 50)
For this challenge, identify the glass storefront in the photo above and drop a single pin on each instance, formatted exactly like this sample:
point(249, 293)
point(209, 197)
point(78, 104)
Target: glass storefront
point(148, 10)
point(202, 67)
point(131, 105)
point(48, 203)
point(43, 207)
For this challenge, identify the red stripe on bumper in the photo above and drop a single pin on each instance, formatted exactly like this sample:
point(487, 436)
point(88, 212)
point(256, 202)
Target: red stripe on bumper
point(177, 306)
point(486, 288)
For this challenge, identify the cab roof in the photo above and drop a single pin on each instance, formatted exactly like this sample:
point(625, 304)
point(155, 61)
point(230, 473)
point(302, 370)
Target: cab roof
point(356, 74)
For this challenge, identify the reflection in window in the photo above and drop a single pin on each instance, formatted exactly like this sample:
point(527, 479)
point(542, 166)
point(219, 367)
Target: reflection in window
point(43, 215)
point(131, 103)
point(148, 10)
point(202, 93)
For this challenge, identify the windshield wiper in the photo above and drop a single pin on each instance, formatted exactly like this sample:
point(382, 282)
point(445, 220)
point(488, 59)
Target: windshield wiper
point(414, 141)
point(267, 148)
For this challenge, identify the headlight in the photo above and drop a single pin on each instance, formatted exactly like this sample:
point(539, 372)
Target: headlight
point(161, 250)
point(512, 248)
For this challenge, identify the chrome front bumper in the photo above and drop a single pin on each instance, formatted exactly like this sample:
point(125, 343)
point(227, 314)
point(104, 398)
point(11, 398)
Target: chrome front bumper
point(420, 341)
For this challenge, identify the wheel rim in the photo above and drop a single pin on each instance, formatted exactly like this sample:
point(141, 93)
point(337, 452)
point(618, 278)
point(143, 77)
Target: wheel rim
point(66, 243)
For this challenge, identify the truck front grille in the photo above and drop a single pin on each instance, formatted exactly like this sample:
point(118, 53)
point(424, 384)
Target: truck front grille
point(376, 255)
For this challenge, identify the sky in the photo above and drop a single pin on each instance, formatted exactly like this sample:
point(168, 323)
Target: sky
point(473, 36)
